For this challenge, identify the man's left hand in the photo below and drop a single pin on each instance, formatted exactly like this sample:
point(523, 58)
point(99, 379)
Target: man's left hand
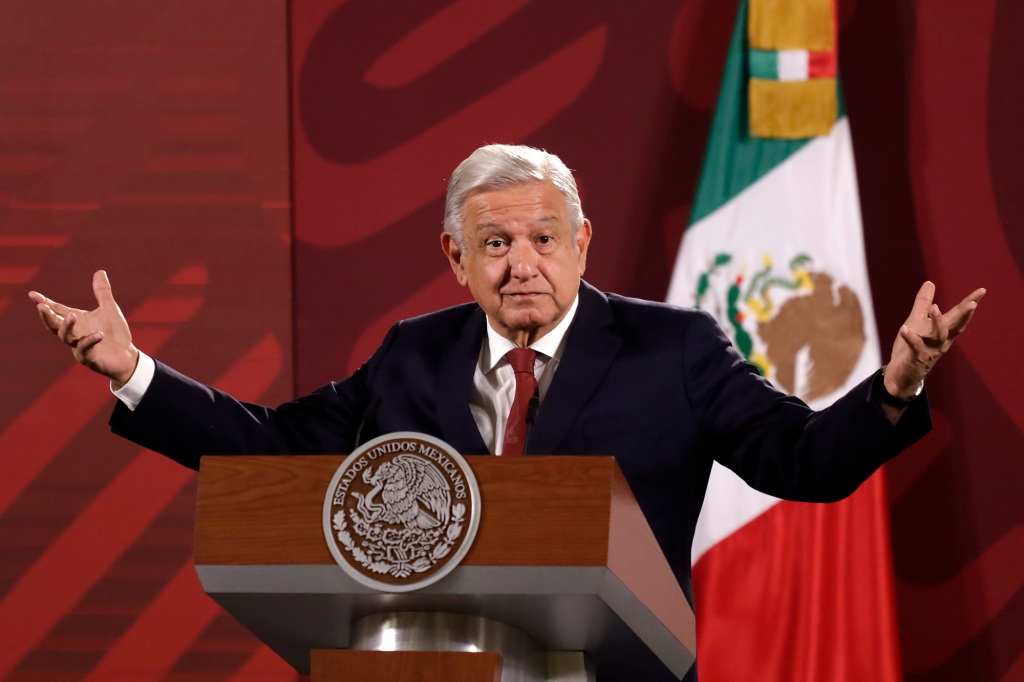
point(924, 338)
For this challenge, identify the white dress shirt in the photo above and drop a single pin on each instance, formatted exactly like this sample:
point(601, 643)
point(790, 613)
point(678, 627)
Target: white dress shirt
point(131, 393)
point(494, 382)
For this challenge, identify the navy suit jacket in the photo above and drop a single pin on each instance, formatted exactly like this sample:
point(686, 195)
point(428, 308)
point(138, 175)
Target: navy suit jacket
point(658, 387)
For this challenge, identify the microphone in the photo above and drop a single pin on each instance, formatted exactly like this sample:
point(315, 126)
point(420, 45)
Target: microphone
point(368, 413)
point(531, 416)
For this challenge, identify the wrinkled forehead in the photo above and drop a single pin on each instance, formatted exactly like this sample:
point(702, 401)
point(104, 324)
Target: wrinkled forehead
point(542, 198)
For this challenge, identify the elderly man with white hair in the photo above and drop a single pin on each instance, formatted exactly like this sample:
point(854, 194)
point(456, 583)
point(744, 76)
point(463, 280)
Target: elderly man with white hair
point(658, 387)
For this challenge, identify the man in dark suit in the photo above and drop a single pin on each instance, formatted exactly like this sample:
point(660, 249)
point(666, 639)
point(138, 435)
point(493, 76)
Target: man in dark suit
point(658, 387)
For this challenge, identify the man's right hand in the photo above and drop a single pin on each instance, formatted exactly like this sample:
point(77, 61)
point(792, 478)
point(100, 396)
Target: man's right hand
point(99, 339)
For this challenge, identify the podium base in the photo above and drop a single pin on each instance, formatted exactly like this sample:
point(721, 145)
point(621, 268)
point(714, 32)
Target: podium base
point(518, 657)
point(345, 665)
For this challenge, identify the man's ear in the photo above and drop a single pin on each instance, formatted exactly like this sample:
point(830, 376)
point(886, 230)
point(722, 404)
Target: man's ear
point(454, 253)
point(583, 243)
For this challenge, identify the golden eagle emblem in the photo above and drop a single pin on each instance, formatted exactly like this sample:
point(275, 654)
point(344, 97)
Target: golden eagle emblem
point(413, 492)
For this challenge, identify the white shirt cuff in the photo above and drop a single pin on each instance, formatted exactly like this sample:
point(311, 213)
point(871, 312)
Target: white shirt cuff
point(131, 393)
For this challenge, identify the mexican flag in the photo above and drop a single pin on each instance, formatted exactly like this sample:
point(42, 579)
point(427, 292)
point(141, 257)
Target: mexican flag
point(784, 590)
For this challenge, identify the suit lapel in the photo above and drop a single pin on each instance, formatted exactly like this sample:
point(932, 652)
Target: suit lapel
point(454, 387)
point(590, 349)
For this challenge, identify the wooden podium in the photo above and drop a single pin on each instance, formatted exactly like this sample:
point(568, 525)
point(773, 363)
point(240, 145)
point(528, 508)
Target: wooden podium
point(563, 554)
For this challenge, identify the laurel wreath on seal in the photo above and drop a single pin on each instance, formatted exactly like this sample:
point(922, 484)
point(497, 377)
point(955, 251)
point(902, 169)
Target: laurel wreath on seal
point(386, 550)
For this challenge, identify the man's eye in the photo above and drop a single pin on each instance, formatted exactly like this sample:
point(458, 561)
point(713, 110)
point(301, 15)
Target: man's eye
point(545, 240)
point(494, 243)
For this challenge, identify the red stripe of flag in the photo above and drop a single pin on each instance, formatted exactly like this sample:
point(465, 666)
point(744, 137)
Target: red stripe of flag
point(821, 64)
point(837, 582)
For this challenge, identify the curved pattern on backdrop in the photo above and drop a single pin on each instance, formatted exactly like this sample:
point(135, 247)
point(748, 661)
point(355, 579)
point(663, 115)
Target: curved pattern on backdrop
point(151, 140)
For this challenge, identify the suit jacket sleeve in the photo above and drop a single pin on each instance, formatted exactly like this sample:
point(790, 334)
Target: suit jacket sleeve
point(184, 419)
point(775, 442)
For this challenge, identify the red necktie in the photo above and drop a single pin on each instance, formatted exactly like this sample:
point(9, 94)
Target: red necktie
point(521, 360)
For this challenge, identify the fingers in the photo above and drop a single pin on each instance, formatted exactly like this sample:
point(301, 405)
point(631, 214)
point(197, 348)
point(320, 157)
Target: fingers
point(940, 327)
point(917, 345)
point(958, 318)
point(928, 333)
point(969, 303)
point(64, 330)
point(923, 301)
point(88, 342)
point(975, 295)
point(965, 318)
point(66, 333)
point(946, 326)
point(101, 289)
point(39, 299)
point(49, 318)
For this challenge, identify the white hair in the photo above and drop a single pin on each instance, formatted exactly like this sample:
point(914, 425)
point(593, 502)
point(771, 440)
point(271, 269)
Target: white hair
point(499, 166)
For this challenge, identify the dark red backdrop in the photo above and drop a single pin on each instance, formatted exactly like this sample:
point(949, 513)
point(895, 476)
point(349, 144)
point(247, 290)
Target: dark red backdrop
point(151, 139)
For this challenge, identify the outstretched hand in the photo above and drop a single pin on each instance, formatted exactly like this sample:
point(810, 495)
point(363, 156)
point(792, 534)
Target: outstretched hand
point(99, 339)
point(924, 338)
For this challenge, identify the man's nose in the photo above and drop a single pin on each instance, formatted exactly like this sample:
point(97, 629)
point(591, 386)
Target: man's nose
point(522, 259)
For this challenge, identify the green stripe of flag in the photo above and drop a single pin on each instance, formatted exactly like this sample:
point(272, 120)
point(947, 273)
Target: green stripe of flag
point(764, 64)
point(733, 160)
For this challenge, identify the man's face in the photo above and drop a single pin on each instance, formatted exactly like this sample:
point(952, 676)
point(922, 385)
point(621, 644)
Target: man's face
point(519, 258)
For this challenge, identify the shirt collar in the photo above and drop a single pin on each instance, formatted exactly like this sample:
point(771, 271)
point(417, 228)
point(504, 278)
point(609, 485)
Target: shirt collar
point(551, 344)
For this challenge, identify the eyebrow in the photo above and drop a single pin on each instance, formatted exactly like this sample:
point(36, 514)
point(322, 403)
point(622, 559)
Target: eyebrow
point(494, 225)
